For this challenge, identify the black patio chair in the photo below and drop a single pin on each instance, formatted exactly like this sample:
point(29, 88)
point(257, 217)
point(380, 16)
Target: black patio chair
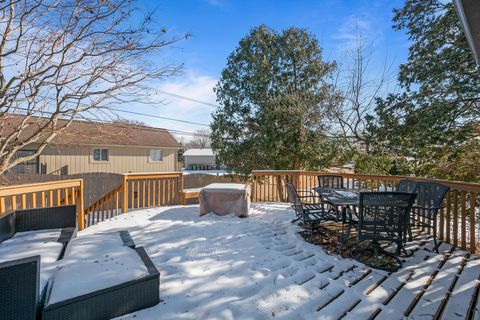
point(425, 210)
point(406, 185)
point(383, 216)
point(311, 213)
point(331, 182)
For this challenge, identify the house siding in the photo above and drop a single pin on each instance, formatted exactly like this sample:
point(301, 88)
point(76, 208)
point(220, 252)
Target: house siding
point(122, 159)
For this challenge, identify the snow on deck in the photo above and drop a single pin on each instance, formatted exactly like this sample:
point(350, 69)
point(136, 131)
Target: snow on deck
point(259, 268)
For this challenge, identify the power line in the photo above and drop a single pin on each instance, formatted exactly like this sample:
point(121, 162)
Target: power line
point(158, 117)
point(188, 98)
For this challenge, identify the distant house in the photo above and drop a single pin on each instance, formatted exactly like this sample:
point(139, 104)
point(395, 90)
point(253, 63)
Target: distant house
point(200, 159)
point(86, 147)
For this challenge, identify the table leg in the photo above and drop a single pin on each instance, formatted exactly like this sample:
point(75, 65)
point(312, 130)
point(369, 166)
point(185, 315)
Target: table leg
point(342, 237)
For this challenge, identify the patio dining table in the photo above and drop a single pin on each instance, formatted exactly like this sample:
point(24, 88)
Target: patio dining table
point(345, 199)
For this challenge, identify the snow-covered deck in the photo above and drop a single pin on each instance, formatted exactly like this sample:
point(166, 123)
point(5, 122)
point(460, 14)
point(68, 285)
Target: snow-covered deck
point(260, 268)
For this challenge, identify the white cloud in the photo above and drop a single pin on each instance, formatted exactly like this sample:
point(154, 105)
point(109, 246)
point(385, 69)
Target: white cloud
point(198, 87)
point(355, 26)
point(352, 26)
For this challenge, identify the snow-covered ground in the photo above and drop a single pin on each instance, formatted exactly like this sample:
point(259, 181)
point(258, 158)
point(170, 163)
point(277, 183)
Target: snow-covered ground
point(258, 267)
point(210, 172)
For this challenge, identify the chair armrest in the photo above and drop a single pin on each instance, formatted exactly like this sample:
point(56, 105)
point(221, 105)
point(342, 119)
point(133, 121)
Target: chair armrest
point(46, 218)
point(19, 286)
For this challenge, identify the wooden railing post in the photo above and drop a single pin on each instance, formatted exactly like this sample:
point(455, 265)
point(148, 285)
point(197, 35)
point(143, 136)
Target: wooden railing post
point(183, 201)
point(125, 194)
point(80, 211)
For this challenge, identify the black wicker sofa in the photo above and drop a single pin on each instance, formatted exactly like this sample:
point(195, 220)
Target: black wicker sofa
point(31, 241)
point(27, 291)
point(114, 296)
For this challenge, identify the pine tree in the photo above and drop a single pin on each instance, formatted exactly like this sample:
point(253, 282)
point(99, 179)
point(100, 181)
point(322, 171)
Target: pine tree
point(274, 100)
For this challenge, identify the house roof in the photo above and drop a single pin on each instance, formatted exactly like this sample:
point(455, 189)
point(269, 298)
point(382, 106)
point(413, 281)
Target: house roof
point(199, 152)
point(95, 133)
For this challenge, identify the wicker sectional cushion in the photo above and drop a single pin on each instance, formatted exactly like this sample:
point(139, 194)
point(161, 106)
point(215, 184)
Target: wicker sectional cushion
point(93, 263)
point(95, 245)
point(24, 245)
point(36, 236)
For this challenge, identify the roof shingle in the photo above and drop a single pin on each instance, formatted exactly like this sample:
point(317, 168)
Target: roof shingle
point(96, 133)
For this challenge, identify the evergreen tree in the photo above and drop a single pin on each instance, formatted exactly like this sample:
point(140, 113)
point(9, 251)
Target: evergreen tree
point(274, 100)
point(434, 121)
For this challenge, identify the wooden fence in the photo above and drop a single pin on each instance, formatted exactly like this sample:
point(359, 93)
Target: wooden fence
point(137, 191)
point(458, 221)
point(44, 194)
point(199, 180)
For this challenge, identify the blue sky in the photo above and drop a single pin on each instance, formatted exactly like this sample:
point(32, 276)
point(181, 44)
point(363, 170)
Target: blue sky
point(218, 25)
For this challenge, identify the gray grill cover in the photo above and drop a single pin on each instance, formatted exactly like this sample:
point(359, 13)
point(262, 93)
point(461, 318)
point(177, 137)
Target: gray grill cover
point(225, 198)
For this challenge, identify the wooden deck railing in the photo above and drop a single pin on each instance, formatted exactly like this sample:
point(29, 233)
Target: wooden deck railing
point(458, 223)
point(45, 194)
point(137, 191)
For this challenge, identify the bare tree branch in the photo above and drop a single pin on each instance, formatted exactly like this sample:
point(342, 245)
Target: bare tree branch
point(359, 87)
point(60, 58)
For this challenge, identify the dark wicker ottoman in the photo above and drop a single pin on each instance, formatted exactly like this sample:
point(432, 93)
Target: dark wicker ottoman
point(110, 302)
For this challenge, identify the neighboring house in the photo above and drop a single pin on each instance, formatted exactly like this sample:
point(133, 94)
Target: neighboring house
point(199, 159)
point(86, 147)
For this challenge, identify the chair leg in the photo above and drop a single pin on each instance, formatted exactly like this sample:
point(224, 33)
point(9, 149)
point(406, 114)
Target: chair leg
point(435, 235)
point(399, 247)
point(410, 237)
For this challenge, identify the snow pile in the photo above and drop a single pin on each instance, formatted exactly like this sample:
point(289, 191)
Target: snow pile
point(209, 172)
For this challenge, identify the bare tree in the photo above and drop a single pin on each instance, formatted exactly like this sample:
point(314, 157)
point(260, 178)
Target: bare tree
point(358, 86)
point(200, 140)
point(61, 59)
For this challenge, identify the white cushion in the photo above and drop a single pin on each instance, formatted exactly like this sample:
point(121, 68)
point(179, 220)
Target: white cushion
point(36, 236)
point(94, 264)
point(85, 247)
point(32, 243)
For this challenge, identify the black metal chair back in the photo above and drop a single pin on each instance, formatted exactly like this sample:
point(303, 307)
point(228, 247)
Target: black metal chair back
point(384, 216)
point(332, 182)
point(407, 185)
point(429, 200)
point(293, 197)
point(430, 196)
point(294, 200)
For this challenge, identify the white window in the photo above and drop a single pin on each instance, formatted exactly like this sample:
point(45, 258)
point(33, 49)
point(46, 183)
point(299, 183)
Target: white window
point(156, 155)
point(100, 154)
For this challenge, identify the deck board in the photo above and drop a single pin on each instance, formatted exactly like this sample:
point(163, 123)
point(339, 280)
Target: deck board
point(463, 291)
